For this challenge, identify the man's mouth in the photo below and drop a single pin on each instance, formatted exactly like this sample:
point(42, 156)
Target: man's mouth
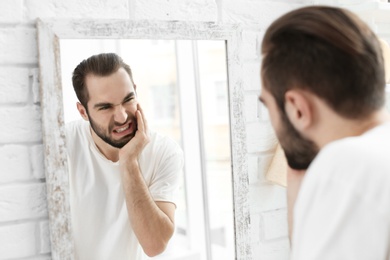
point(124, 130)
point(119, 130)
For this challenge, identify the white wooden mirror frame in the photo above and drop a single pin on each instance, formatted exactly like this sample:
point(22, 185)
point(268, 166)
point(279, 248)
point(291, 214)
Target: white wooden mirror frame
point(56, 169)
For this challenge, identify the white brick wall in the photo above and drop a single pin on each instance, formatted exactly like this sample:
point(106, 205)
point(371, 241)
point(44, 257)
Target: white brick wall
point(115, 9)
point(20, 124)
point(14, 163)
point(11, 11)
point(20, 201)
point(188, 10)
point(257, 12)
point(14, 85)
point(18, 45)
point(18, 240)
point(24, 231)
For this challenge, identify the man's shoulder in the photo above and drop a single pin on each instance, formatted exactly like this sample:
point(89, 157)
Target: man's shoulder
point(162, 153)
point(75, 125)
point(354, 160)
point(372, 144)
point(162, 146)
point(75, 131)
point(162, 141)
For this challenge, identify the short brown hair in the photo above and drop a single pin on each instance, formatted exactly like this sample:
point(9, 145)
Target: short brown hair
point(328, 51)
point(103, 64)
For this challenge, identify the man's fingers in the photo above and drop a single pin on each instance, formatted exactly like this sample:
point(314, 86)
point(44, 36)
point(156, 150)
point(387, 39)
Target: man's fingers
point(140, 121)
point(145, 123)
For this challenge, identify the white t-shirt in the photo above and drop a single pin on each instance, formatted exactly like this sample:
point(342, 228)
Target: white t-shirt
point(100, 223)
point(343, 206)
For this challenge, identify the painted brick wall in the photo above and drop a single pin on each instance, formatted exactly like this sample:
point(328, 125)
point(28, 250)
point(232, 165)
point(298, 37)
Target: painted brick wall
point(23, 209)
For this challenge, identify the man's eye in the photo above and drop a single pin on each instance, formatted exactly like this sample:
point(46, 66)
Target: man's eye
point(104, 107)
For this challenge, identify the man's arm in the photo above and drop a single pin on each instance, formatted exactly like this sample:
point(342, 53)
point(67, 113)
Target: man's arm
point(294, 180)
point(152, 222)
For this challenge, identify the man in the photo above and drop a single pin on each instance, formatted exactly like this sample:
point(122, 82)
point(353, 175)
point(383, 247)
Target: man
point(122, 176)
point(323, 84)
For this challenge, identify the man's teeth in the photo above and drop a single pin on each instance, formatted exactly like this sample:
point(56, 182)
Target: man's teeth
point(122, 129)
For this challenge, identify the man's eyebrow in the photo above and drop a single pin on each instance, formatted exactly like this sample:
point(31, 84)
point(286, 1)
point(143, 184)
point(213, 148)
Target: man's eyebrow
point(103, 104)
point(130, 95)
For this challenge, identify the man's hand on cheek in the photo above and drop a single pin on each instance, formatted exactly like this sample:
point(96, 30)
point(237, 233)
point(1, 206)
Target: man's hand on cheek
point(134, 147)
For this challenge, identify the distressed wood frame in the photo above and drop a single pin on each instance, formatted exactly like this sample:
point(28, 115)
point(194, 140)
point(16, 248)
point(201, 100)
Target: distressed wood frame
point(56, 168)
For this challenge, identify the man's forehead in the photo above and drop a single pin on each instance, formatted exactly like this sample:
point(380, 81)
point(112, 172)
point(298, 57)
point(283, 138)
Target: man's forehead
point(93, 81)
point(109, 90)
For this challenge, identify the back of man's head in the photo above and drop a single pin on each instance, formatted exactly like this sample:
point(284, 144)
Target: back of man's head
point(329, 52)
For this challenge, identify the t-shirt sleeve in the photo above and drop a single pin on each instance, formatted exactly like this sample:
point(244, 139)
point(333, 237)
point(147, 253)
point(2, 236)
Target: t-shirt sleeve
point(166, 180)
point(338, 214)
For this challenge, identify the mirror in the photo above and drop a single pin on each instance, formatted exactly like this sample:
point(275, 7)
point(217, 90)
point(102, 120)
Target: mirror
point(168, 79)
point(181, 71)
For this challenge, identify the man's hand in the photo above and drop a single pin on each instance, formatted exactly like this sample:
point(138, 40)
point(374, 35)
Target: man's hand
point(294, 180)
point(134, 147)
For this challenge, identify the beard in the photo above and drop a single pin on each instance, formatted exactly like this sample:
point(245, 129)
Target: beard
point(105, 136)
point(299, 151)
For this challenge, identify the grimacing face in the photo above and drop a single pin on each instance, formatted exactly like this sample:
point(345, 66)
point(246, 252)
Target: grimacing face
point(111, 107)
point(104, 133)
point(299, 151)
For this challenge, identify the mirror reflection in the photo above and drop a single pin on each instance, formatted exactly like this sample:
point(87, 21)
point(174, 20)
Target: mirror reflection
point(181, 86)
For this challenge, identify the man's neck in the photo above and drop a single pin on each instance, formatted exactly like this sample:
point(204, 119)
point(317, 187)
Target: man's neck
point(110, 152)
point(336, 127)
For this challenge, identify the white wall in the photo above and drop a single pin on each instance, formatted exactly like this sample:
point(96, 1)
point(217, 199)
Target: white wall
point(23, 209)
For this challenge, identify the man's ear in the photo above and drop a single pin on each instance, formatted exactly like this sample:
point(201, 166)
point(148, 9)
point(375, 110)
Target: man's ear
point(82, 111)
point(298, 109)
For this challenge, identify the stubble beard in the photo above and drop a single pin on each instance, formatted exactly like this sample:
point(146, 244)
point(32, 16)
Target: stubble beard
point(299, 151)
point(100, 131)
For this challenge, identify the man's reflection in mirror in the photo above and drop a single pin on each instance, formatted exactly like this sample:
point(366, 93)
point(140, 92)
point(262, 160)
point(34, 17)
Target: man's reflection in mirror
point(123, 176)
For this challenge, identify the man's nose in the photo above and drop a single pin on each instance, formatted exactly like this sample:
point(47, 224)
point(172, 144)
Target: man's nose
point(120, 115)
